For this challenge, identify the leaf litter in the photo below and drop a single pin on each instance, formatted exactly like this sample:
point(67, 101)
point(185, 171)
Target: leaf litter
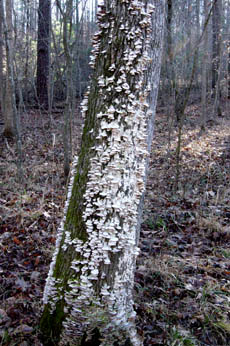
point(182, 281)
point(183, 272)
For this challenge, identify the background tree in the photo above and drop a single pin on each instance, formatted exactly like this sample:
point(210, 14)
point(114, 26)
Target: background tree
point(227, 11)
point(9, 100)
point(43, 52)
point(67, 14)
point(9, 90)
point(216, 43)
point(170, 71)
point(89, 288)
point(1, 55)
point(204, 70)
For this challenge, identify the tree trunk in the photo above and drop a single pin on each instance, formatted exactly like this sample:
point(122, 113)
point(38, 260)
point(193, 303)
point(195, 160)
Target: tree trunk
point(217, 106)
point(11, 88)
point(229, 70)
point(197, 39)
point(43, 52)
point(216, 20)
point(204, 70)
point(88, 294)
point(28, 30)
point(67, 15)
point(188, 42)
point(228, 49)
point(1, 57)
point(9, 126)
point(170, 47)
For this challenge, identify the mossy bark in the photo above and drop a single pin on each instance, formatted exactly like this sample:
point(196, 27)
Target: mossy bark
point(51, 324)
point(98, 134)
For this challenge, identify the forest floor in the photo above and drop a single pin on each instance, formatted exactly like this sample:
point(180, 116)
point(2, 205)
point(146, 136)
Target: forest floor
point(182, 289)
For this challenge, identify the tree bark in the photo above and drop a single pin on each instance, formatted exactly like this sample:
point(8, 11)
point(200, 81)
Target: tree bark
point(10, 87)
point(9, 126)
point(43, 52)
point(170, 46)
point(228, 47)
point(28, 31)
point(88, 294)
point(1, 57)
point(197, 38)
point(204, 70)
point(216, 20)
point(188, 43)
point(67, 15)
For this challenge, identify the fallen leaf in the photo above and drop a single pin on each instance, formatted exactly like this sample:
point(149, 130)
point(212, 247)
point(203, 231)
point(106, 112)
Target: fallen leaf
point(16, 241)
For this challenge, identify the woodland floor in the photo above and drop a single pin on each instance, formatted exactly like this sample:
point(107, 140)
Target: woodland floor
point(182, 290)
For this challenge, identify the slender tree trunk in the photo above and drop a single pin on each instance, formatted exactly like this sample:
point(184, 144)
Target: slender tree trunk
point(188, 40)
point(170, 46)
point(67, 15)
point(9, 128)
point(197, 39)
point(219, 56)
point(7, 22)
point(217, 106)
point(68, 112)
point(198, 19)
point(204, 71)
point(43, 52)
point(88, 293)
point(216, 20)
point(229, 70)
point(1, 58)
point(228, 55)
point(27, 50)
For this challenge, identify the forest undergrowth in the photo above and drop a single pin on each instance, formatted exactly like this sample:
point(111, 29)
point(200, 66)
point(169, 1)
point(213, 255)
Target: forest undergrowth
point(182, 281)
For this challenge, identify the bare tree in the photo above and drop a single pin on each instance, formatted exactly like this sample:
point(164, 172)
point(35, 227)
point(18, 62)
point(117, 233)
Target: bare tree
point(216, 43)
point(10, 103)
point(88, 294)
point(171, 71)
point(43, 52)
point(1, 56)
point(227, 11)
point(67, 15)
point(204, 70)
point(9, 126)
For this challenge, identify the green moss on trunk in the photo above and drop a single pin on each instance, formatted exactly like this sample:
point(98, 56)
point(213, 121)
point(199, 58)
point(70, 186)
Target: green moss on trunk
point(51, 325)
point(89, 265)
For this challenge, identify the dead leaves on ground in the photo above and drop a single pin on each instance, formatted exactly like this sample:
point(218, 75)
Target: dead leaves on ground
point(182, 282)
point(30, 216)
point(183, 274)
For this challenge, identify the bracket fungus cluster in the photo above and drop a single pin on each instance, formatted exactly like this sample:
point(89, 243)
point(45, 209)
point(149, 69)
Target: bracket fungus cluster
point(98, 288)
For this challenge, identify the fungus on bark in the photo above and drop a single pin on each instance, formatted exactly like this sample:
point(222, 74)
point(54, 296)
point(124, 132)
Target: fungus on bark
point(92, 272)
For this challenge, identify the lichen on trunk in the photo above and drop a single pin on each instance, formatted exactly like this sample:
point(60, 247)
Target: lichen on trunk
point(90, 282)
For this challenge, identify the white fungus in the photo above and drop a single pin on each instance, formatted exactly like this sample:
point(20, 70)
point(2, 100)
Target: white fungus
point(114, 187)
